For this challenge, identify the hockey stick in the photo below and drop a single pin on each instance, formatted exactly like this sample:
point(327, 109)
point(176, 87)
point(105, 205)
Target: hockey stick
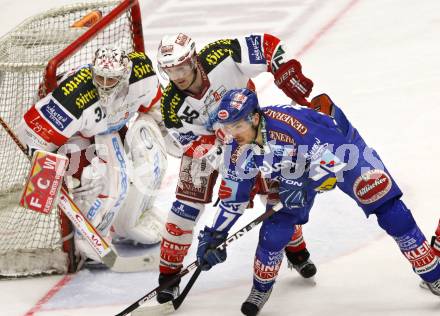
point(107, 254)
point(169, 306)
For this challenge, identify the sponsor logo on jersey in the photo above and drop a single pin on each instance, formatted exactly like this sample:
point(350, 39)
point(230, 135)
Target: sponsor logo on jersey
point(214, 53)
point(371, 186)
point(217, 55)
point(86, 98)
point(281, 137)
point(40, 126)
point(142, 70)
point(316, 151)
point(327, 185)
point(141, 67)
point(256, 56)
point(214, 97)
point(184, 138)
point(327, 163)
point(287, 119)
point(170, 105)
point(55, 115)
point(72, 83)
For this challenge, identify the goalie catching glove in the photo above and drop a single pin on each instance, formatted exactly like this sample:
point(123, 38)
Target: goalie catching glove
point(294, 84)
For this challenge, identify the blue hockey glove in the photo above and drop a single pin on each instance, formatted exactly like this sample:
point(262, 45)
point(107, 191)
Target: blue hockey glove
point(207, 254)
point(293, 195)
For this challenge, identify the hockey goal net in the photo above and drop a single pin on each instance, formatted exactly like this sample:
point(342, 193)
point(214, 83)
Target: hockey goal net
point(31, 57)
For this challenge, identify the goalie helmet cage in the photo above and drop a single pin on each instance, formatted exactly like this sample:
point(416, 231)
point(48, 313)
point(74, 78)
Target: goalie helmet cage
point(31, 57)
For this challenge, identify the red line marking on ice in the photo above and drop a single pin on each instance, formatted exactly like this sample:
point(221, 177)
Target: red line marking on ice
point(325, 28)
point(54, 290)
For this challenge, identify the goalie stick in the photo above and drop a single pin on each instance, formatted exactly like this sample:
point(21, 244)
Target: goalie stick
point(175, 304)
point(108, 255)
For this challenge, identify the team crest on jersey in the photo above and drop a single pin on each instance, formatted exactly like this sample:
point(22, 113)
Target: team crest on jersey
point(372, 186)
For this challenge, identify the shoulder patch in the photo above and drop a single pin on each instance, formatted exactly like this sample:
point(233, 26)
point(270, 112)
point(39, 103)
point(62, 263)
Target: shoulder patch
point(214, 53)
point(77, 92)
point(170, 103)
point(142, 67)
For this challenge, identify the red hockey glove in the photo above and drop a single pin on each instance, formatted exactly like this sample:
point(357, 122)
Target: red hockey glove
point(294, 84)
point(435, 242)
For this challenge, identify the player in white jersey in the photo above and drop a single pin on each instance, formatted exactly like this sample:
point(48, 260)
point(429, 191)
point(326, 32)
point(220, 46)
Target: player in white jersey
point(189, 110)
point(114, 171)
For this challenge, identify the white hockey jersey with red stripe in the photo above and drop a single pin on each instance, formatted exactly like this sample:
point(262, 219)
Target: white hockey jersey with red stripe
point(227, 64)
point(74, 107)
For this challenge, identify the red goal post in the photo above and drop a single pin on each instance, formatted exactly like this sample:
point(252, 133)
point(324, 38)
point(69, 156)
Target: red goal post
point(32, 55)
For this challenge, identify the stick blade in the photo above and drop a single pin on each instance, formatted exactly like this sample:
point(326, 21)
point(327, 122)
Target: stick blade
point(134, 264)
point(161, 309)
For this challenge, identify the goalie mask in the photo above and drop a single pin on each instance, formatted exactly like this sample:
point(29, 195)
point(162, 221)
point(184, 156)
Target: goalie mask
point(176, 56)
point(111, 70)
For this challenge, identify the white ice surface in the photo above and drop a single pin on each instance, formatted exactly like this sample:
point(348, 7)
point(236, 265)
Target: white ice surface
point(380, 61)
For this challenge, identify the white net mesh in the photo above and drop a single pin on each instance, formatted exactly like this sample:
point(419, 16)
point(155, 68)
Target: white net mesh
point(30, 242)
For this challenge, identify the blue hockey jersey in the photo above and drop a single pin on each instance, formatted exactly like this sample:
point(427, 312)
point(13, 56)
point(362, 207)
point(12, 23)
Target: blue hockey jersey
point(304, 148)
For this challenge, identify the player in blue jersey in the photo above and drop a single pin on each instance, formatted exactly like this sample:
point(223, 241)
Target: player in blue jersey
point(301, 149)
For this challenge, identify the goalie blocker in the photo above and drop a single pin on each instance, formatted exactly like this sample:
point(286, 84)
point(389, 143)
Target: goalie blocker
point(44, 182)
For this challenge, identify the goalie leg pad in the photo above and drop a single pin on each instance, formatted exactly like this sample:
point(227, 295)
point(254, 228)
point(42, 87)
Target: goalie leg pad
point(395, 218)
point(138, 220)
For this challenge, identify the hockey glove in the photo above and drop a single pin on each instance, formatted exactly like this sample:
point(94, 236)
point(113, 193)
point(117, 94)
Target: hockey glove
point(294, 84)
point(207, 254)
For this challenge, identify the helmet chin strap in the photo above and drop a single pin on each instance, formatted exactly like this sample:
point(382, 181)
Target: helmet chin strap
point(194, 78)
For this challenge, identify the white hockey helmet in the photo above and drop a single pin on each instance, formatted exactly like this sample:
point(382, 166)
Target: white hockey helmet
point(176, 55)
point(111, 68)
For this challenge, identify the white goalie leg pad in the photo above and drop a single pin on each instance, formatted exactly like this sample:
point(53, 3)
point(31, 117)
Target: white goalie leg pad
point(107, 203)
point(137, 219)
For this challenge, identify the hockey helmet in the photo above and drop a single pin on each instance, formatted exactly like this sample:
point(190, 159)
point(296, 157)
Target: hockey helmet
point(176, 55)
point(237, 104)
point(111, 68)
